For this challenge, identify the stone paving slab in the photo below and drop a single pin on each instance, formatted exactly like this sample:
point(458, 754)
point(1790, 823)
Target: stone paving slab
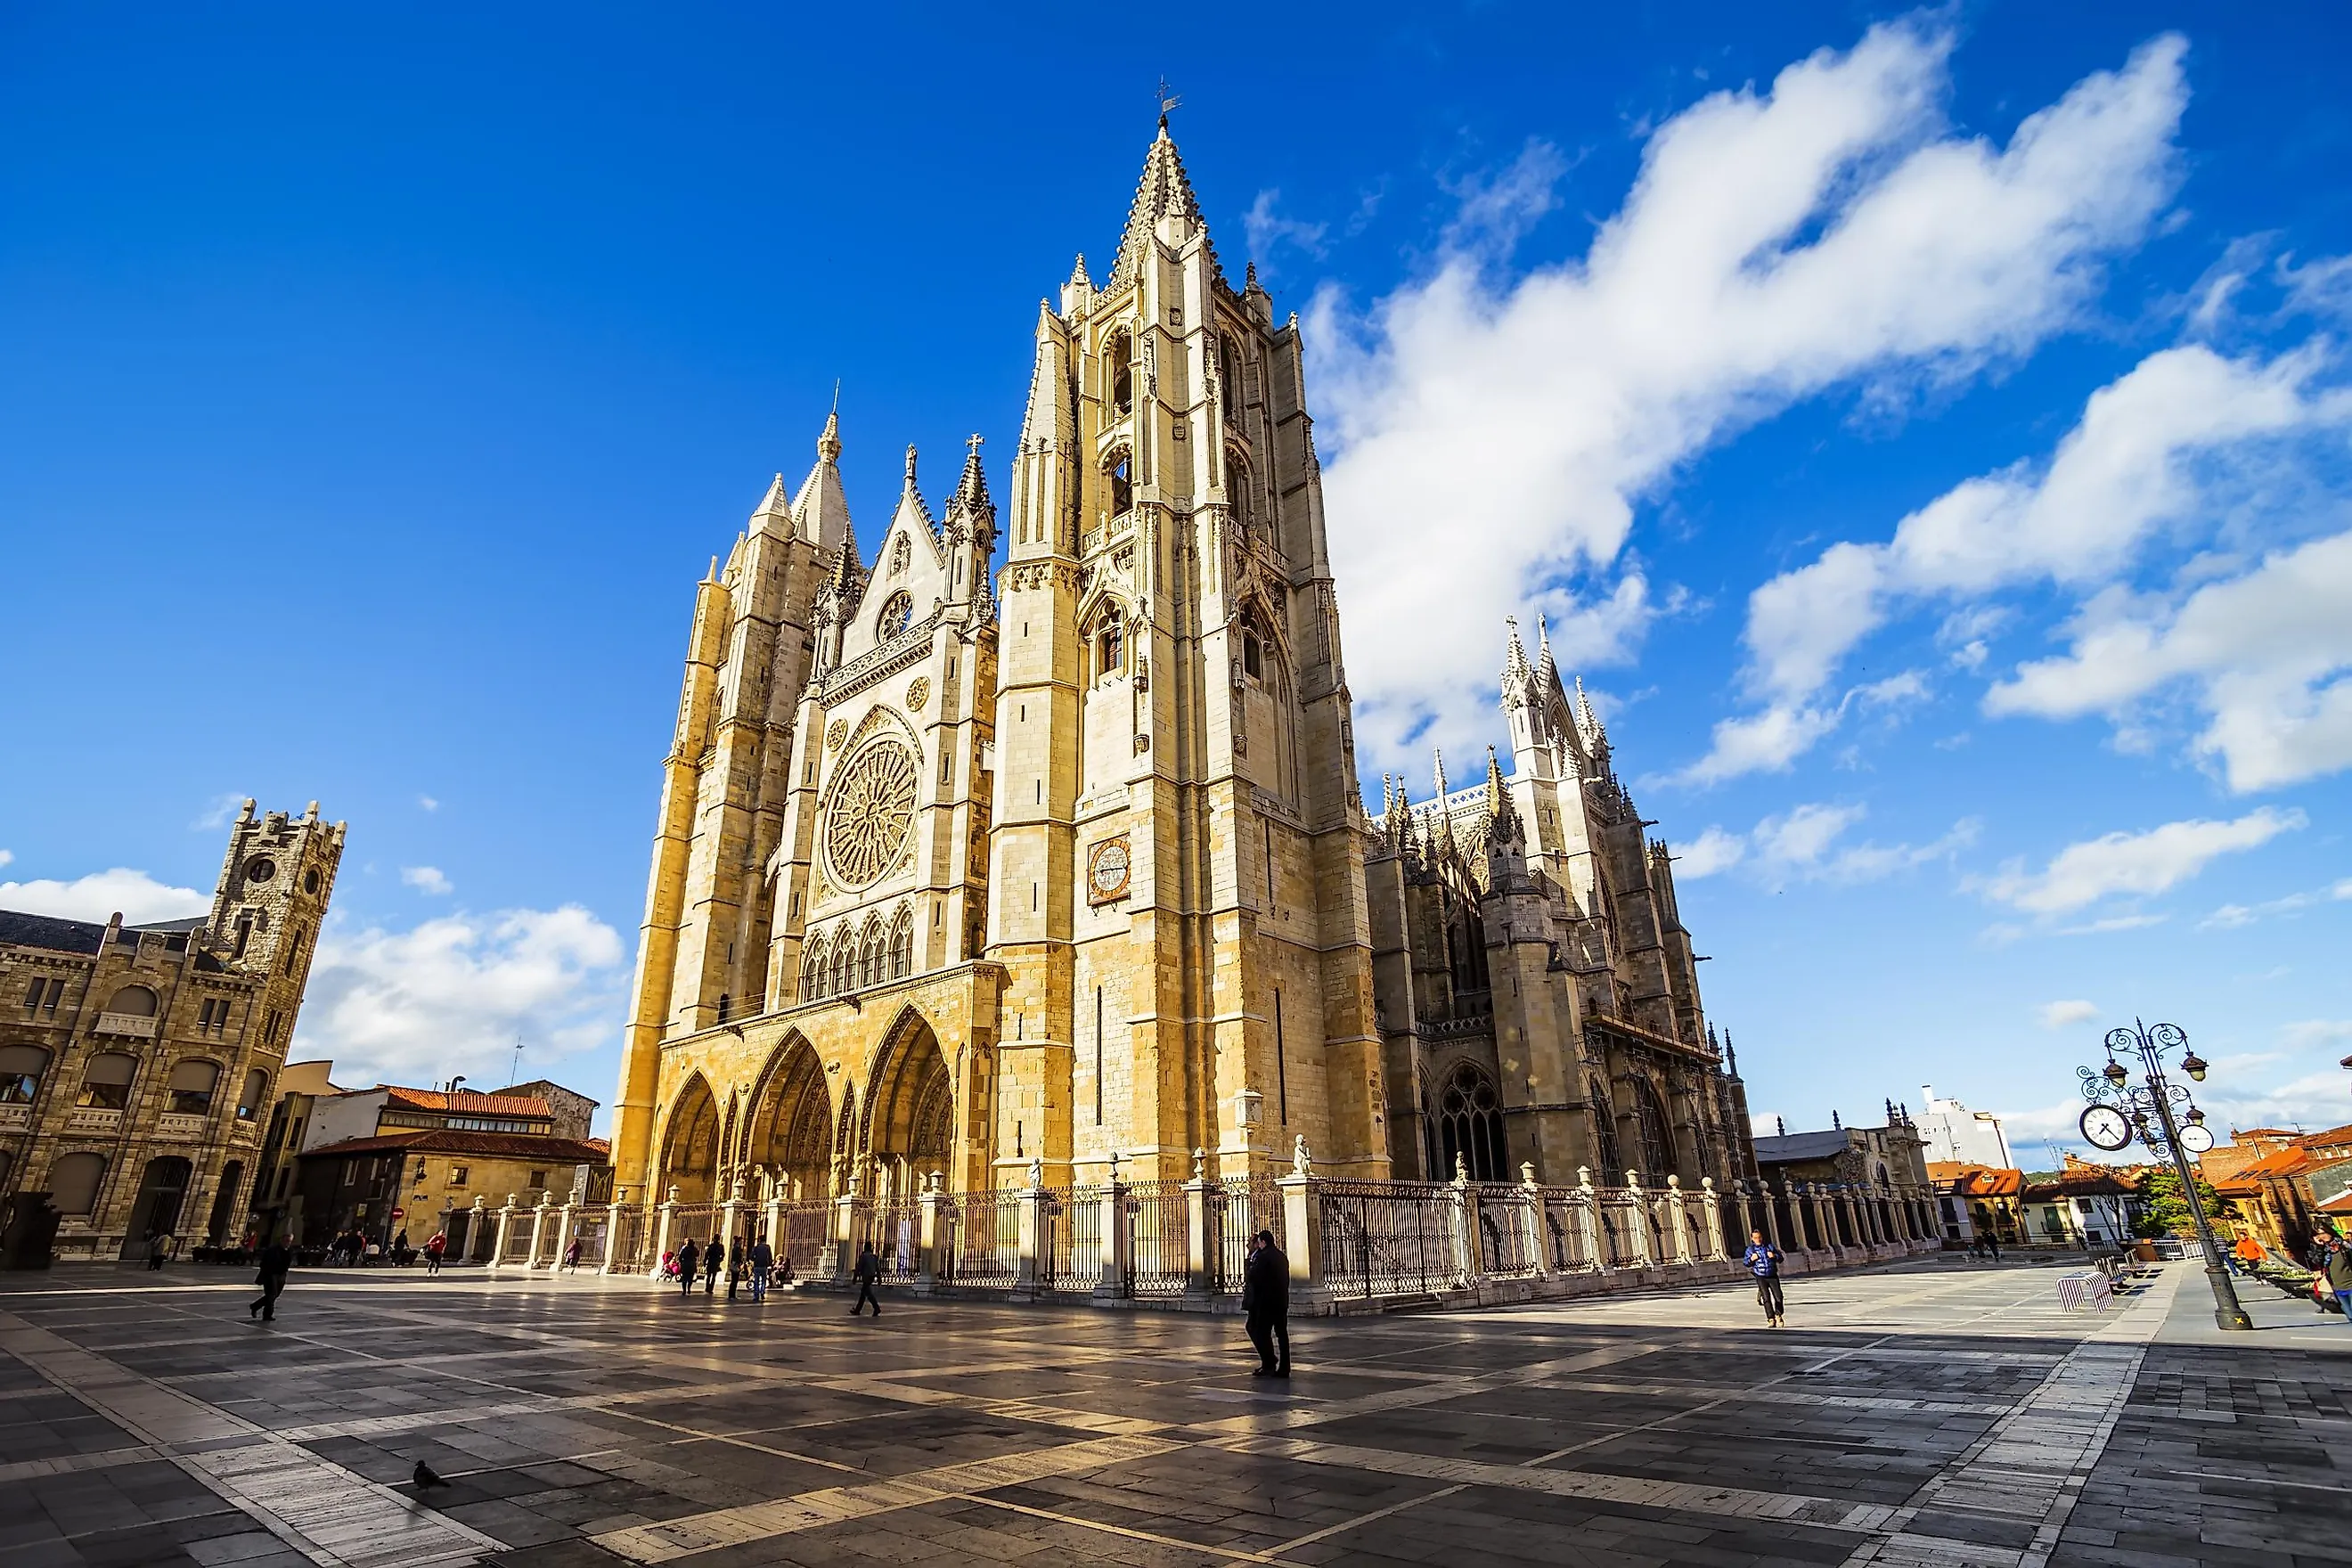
point(1941, 1415)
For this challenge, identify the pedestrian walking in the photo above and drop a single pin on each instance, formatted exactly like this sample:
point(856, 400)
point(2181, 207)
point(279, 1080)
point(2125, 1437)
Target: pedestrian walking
point(572, 1254)
point(2339, 1275)
point(687, 1259)
point(714, 1258)
point(1763, 1261)
point(735, 1252)
point(763, 1260)
point(434, 1248)
point(275, 1262)
point(1266, 1305)
point(2247, 1256)
point(869, 1269)
point(158, 1246)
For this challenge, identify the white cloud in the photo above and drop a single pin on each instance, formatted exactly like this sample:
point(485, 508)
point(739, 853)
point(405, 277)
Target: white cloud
point(1264, 229)
point(427, 803)
point(2059, 1014)
point(1492, 437)
point(1804, 835)
point(2229, 917)
point(5, 857)
point(2264, 655)
point(218, 812)
point(2167, 441)
point(426, 879)
point(2133, 863)
point(1764, 742)
point(139, 896)
point(1802, 843)
point(453, 994)
point(1712, 851)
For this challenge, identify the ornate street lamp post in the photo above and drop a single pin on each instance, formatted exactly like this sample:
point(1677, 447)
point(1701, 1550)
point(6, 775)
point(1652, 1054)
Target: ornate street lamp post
point(2122, 1111)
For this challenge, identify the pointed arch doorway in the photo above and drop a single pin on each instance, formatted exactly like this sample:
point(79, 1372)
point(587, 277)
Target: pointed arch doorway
point(909, 1123)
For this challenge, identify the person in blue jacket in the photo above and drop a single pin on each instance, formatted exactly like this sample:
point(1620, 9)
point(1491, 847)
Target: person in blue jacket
point(1763, 1261)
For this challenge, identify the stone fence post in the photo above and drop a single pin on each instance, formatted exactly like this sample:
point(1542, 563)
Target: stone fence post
point(1463, 1205)
point(844, 1232)
point(1117, 1235)
point(1678, 1215)
point(613, 1222)
point(1712, 1216)
point(564, 1221)
point(1302, 1226)
point(1588, 1219)
point(1643, 1256)
point(506, 1221)
point(1034, 1268)
point(1202, 1260)
point(663, 1230)
point(1532, 1218)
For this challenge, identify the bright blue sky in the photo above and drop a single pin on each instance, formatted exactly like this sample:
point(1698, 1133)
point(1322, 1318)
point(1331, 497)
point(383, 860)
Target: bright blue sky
point(372, 395)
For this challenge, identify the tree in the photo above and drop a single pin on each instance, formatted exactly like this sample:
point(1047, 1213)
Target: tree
point(2167, 1212)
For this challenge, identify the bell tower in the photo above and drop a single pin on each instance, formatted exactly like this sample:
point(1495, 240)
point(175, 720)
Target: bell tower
point(1176, 886)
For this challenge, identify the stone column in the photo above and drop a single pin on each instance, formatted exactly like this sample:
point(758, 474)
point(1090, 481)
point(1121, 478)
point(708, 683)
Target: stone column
point(844, 1232)
point(1588, 1218)
point(1302, 1227)
point(1034, 1267)
point(1712, 1219)
point(1531, 1201)
point(563, 1219)
point(1678, 1221)
point(665, 1230)
point(613, 1213)
point(1464, 1206)
point(505, 1220)
point(1643, 1255)
point(930, 1237)
point(1117, 1235)
point(1201, 1263)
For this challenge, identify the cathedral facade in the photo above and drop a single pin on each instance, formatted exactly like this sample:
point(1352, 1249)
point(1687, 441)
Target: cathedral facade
point(1031, 876)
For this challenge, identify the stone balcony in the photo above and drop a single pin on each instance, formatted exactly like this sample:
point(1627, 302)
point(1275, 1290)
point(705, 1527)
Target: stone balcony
point(89, 1119)
point(136, 1026)
point(13, 1117)
point(179, 1128)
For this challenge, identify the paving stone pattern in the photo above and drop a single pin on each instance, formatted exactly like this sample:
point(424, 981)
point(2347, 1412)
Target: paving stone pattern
point(1940, 1414)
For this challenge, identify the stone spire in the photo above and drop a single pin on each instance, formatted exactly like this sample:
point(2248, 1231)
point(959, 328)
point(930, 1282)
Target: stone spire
point(1514, 658)
point(1544, 668)
point(1441, 829)
point(821, 510)
point(912, 509)
point(1164, 191)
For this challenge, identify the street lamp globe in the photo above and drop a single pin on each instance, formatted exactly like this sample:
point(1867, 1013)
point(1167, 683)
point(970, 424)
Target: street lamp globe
point(2194, 1066)
point(2195, 1117)
point(2116, 1072)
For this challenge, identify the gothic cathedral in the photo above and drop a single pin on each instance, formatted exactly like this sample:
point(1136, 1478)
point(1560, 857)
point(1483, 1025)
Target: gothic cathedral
point(1008, 881)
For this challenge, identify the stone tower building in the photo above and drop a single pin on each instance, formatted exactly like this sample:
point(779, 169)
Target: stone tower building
point(138, 1064)
point(1014, 882)
point(1539, 999)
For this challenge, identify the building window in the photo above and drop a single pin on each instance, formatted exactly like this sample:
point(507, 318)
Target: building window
point(897, 611)
point(1109, 643)
point(900, 550)
point(106, 1083)
point(1657, 1148)
point(1122, 484)
point(249, 1099)
point(132, 1001)
point(191, 1087)
point(538, 1178)
point(1121, 354)
point(21, 1067)
point(1470, 1126)
point(460, 1175)
point(1253, 654)
point(73, 1184)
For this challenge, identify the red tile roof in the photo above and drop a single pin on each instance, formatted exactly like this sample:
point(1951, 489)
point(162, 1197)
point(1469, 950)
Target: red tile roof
point(456, 1141)
point(1967, 1181)
point(465, 1102)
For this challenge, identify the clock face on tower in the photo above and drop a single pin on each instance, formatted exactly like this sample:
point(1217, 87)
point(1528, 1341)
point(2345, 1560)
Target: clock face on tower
point(1106, 870)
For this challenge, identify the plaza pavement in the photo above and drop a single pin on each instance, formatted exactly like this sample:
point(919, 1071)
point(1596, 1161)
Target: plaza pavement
point(1933, 1413)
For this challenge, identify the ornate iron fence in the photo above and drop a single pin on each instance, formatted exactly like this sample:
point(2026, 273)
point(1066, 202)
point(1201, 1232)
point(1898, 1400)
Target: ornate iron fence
point(589, 1224)
point(1158, 1218)
point(803, 1237)
point(1508, 1220)
point(1569, 1229)
point(1392, 1238)
point(982, 1251)
point(515, 1247)
point(633, 1240)
point(1235, 1212)
point(1069, 1238)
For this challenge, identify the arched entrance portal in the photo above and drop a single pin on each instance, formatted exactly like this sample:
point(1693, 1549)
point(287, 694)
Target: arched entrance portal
point(689, 1159)
point(790, 1132)
point(909, 1112)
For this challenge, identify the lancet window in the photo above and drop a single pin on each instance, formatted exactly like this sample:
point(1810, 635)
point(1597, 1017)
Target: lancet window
point(1470, 1126)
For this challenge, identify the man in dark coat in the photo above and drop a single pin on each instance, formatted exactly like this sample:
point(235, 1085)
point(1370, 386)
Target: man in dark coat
point(687, 1259)
point(869, 1270)
point(713, 1257)
point(275, 1261)
point(1266, 1305)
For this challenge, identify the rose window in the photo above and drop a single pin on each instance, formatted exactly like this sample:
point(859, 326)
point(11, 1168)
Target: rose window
point(871, 814)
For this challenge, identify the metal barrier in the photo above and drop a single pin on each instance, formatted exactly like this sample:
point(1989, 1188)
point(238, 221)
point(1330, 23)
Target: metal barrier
point(1390, 1238)
point(803, 1237)
point(589, 1224)
point(1159, 1217)
point(1235, 1212)
point(632, 1240)
point(1508, 1221)
point(984, 1248)
point(515, 1245)
point(1069, 1239)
